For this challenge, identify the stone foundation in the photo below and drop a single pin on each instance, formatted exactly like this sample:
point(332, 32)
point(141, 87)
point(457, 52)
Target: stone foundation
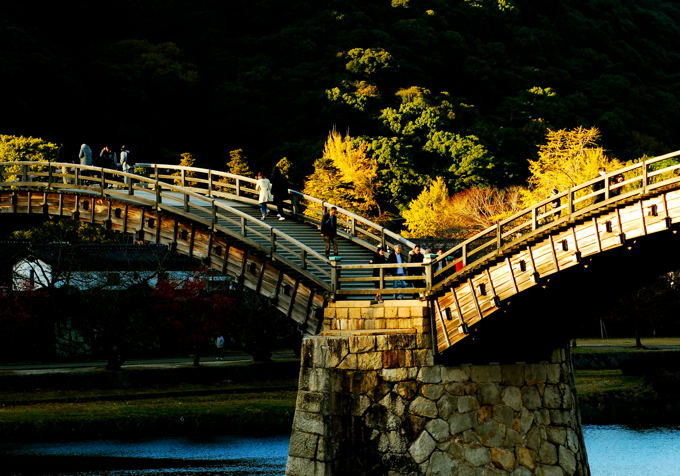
point(378, 404)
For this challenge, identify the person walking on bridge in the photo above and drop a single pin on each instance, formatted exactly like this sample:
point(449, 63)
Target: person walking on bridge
point(264, 189)
point(329, 231)
point(279, 190)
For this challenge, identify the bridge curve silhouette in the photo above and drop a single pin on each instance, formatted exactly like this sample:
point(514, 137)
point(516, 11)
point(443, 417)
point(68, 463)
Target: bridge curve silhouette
point(213, 216)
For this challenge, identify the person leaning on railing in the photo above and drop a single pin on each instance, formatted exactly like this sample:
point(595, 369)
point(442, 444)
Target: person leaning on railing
point(378, 258)
point(397, 258)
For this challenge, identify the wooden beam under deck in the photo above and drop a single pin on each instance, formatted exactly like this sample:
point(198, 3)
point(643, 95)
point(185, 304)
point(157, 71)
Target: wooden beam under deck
point(183, 235)
point(562, 249)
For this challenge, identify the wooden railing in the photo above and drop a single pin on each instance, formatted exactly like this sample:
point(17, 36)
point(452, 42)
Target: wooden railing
point(306, 208)
point(150, 191)
point(203, 185)
point(637, 179)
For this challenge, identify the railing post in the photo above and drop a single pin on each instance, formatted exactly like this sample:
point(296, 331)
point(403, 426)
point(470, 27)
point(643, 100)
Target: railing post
point(499, 236)
point(186, 202)
point(49, 175)
point(238, 187)
point(335, 275)
point(183, 177)
point(534, 219)
point(210, 183)
point(428, 279)
point(103, 179)
point(571, 202)
point(464, 256)
point(157, 189)
point(24, 173)
point(243, 226)
point(352, 226)
point(272, 246)
point(155, 171)
point(645, 176)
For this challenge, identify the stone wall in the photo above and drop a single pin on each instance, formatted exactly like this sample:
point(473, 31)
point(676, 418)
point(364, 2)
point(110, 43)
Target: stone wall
point(378, 404)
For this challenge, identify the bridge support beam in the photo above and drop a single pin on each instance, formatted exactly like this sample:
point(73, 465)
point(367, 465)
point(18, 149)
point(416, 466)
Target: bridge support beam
point(380, 404)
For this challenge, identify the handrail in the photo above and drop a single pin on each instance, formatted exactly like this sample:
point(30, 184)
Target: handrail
point(236, 187)
point(83, 178)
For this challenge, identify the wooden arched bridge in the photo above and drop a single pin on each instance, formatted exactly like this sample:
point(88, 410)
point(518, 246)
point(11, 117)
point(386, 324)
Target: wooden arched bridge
point(213, 216)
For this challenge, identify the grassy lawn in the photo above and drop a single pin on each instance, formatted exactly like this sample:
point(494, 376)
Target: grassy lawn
point(623, 343)
point(238, 411)
point(599, 381)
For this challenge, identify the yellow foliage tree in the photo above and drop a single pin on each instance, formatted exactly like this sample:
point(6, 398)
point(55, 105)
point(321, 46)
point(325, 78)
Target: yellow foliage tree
point(430, 213)
point(186, 159)
point(345, 175)
point(436, 214)
point(237, 163)
point(21, 148)
point(568, 158)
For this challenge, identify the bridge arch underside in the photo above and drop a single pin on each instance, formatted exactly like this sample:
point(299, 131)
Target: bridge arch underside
point(535, 294)
point(290, 293)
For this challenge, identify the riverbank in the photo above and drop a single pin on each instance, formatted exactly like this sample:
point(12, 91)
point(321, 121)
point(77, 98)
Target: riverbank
point(616, 384)
point(240, 398)
point(619, 383)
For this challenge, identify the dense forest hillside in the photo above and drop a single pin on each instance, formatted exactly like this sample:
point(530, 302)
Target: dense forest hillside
point(464, 89)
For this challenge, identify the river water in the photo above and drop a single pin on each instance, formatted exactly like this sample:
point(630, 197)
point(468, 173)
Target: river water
point(612, 450)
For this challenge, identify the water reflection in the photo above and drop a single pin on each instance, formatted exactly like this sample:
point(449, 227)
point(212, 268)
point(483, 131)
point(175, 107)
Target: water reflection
point(612, 451)
point(615, 450)
point(224, 455)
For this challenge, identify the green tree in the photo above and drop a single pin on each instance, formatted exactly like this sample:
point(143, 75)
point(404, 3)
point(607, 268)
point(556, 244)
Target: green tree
point(68, 230)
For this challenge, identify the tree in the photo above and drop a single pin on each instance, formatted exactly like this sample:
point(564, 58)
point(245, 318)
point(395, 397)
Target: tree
point(568, 158)
point(345, 175)
point(186, 159)
point(238, 164)
point(479, 208)
point(68, 230)
point(430, 213)
point(437, 214)
point(28, 149)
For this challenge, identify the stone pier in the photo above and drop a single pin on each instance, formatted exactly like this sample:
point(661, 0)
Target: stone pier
point(376, 401)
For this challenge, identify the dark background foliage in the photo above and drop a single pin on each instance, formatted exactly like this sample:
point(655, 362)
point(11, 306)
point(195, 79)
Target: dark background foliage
point(207, 77)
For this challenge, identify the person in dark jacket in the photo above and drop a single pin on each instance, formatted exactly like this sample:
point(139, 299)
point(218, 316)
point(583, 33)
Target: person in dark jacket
point(378, 258)
point(329, 231)
point(279, 190)
point(416, 256)
point(398, 258)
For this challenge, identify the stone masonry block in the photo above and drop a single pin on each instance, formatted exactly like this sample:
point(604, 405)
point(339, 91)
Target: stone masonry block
point(391, 312)
point(486, 373)
point(310, 401)
point(359, 344)
point(305, 467)
point(303, 445)
point(309, 423)
point(404, 312)
point(370, 361)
